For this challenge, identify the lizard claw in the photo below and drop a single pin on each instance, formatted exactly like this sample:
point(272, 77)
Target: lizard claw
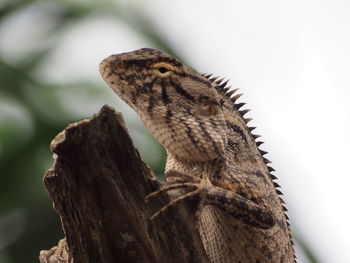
point(170, 187)
point(167, 188)
point(189, 194)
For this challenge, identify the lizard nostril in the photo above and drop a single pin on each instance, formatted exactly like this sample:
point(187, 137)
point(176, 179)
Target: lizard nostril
point(109, 63)
point(113, 59)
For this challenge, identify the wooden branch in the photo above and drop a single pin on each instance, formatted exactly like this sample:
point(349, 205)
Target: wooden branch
point(98, 184)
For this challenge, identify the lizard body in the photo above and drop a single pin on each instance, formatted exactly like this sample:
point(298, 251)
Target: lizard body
point(212, 154)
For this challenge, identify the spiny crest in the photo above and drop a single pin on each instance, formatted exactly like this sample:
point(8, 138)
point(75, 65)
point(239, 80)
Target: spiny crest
point(222, 87)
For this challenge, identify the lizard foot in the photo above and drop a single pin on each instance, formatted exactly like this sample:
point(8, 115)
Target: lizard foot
point(57, 254)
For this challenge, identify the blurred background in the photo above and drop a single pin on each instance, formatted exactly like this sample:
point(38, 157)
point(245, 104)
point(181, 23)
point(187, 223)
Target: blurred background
point(290, 58)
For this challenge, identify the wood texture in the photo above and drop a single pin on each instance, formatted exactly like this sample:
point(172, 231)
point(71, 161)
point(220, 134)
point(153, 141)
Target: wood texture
point(98, 183)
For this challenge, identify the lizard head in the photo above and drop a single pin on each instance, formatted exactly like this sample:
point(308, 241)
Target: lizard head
point(178, 105)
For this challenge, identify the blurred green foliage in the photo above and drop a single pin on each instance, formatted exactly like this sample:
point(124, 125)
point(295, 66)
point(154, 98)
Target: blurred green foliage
point(33, 111)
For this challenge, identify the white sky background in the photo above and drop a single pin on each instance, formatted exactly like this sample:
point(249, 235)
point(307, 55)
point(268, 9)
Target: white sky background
point(291, 59)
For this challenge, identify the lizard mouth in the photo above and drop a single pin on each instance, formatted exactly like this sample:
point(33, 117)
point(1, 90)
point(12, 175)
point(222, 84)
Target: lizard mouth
point(111, 70)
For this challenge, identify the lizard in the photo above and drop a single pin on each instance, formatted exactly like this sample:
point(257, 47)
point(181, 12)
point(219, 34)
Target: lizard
point(212, 155)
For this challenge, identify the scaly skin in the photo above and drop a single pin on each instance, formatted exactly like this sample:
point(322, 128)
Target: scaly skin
point(212, 154)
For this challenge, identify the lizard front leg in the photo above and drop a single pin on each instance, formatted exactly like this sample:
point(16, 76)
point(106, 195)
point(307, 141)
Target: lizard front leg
point(233, 203)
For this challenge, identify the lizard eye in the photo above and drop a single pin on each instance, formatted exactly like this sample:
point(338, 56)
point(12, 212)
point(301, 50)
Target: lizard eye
point(162, 69)
point(205, 107)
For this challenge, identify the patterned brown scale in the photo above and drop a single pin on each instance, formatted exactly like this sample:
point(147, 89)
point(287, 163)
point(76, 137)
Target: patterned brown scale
point(212, 155)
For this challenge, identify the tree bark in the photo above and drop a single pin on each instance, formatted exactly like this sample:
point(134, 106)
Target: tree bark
point(98, 183)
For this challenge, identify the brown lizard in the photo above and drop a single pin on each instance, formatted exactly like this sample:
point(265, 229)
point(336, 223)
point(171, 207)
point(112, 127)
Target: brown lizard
point(212, 155)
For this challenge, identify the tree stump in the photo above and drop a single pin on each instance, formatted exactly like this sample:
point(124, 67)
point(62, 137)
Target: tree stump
point(98, 185)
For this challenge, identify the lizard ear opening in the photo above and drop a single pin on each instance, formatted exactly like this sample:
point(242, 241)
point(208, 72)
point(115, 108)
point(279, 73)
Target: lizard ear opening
point(205, 107)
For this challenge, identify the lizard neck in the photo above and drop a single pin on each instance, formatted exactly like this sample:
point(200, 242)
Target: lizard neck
point(176, 168)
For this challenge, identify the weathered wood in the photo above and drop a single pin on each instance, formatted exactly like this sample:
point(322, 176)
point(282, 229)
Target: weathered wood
point(98, 183)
